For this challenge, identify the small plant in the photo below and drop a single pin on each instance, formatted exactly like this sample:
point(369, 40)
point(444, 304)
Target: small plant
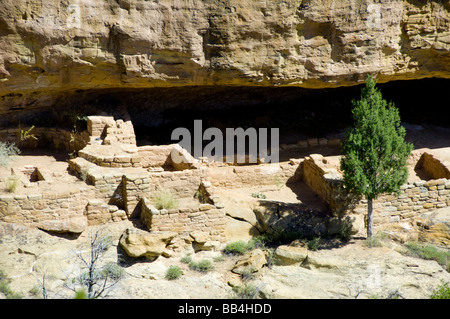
point(84, 173)
point(278, 183)
point(26, 134)
point(248, 274)
point(12, 183)
point(186, 259)
point(174, 272)
point(277, 236)
point(259, 195)
point(164, 199)
point(376, 240)
point(219, 258)
point(272, 259)
point(429, 252)
point(113, 271)
point(372, 242)
point(7, 150)
point(236, 248)
point(97, 281)
point(5, 289)
point(442, 291)
point(246, 291)
point(345, 231)
point(314, 243)
point(201, 266)
point(80, 294)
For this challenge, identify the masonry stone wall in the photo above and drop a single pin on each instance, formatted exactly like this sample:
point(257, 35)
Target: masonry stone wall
point(155, 155)
point(115, 156)
point(98, 213)
point(111, 131)
point(124, 187)
point(35, 208)
point(415, 198)
point(255, 175)
point(205, 218)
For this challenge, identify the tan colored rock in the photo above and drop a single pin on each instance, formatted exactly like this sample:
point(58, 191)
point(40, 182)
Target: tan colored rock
point(438, 234)
point(201, 241)
point(140, 243)
point(252, 261)
point(70, 225)
point(290, 255)
point(239, 230)
point(48, 47)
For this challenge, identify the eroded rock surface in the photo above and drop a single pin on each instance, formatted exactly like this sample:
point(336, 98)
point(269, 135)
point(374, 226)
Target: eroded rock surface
point(52, 46)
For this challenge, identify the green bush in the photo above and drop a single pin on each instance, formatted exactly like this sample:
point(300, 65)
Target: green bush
point(164, 199)
point(314, 243)
point(80, 294)
point(258, 195)
point(236, 248)
point(442, 292)
point(113, 271)
point(201, 266)
point(174, 272)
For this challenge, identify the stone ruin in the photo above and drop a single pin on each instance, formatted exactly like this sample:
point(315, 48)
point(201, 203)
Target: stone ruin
point(119, 180)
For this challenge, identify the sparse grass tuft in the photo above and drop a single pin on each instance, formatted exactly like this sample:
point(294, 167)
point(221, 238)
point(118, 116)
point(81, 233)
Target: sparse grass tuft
point(376, 240)
point(12, 183)
point(249, 273)
point(429, 252)
point(246, 291)
point(201, 266)
point(164, 199)
point(186, 259)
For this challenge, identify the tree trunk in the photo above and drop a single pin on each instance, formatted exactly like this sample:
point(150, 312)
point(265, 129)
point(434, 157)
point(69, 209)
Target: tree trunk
point(369, 218)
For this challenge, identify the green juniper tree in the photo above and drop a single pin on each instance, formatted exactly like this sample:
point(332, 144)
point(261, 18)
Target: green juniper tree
point(375, 151)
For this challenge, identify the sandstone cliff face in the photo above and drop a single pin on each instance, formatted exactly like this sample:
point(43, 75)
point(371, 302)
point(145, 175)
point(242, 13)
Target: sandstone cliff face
point(53, 46)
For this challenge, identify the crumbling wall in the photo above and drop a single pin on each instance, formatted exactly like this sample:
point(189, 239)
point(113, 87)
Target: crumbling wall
point(204, 218)
point(414, 198)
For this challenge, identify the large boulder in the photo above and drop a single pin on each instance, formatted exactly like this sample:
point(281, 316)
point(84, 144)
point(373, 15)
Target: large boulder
point(290, 255)
point(237, 229)
point(140, 243)
point(252, 261)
